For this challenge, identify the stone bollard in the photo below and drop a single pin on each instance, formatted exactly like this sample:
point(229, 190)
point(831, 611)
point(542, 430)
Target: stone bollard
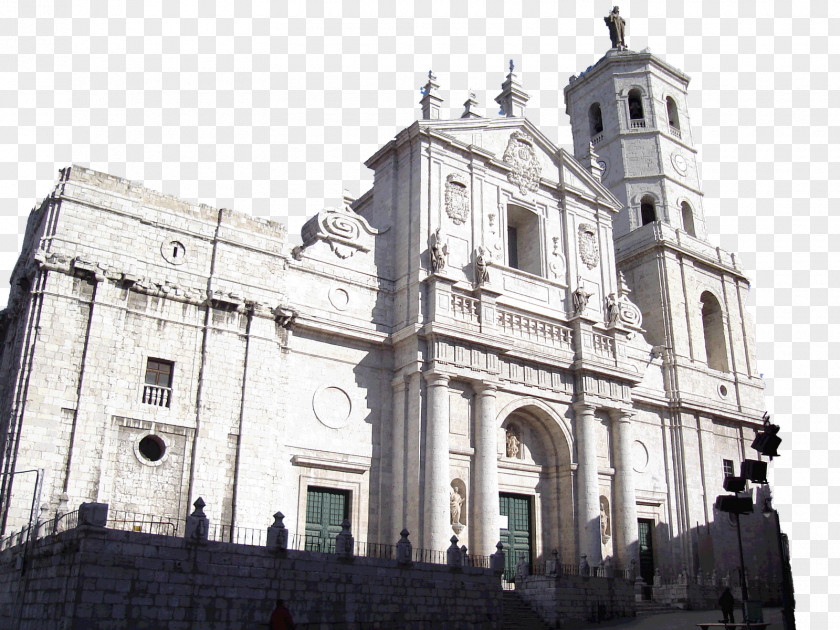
point(198, 525)
point(639, 589)
point(93, 514)
point(277, 538)
point(454, 559)
point(657, 577)
point(344, 542)
point(404, 550)
point(464, 556)
point(608, 567)
point(42, 521)
point(584, 566)
point(497, 560)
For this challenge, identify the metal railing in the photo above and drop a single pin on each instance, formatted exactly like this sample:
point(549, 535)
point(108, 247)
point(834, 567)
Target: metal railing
point(41, 529)
point(136, 522)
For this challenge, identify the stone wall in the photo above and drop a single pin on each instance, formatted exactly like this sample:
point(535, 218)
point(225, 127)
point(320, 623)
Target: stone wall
point(559, 599)
point(100, 579)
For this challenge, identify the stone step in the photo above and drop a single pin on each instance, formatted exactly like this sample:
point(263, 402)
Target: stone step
point(518, 615)
point(653, 608)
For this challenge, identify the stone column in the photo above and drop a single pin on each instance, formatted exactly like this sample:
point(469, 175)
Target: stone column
point(398, 452)
point(625, 524)
point(588, 505)
point(436, 519)
point(485, 491)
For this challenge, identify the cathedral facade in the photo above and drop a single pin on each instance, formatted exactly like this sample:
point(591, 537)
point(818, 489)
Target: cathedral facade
point(499, 341)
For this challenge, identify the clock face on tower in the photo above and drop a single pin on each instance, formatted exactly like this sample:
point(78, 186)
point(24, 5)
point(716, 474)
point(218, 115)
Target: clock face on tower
point(679, 163)
point(603, 165)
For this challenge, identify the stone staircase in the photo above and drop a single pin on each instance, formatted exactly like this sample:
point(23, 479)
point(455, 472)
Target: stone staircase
point(518, 615)
point(645, 608)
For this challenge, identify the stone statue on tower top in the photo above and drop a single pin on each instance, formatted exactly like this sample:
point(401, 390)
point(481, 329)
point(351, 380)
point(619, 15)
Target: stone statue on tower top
point(616, 25)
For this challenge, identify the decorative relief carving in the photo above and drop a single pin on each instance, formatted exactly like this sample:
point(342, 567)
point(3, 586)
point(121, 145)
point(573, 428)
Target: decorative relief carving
point(620, 310)
point(342, 229)
point(557, 266)
point(588, 245)
point(332, 406)
point(525, 168)
point(457, 198)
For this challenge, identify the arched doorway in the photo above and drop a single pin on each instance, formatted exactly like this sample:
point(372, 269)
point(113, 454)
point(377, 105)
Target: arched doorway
point(535, 483)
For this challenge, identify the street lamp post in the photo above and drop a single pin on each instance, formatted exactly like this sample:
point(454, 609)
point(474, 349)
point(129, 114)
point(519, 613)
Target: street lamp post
point(788, 602)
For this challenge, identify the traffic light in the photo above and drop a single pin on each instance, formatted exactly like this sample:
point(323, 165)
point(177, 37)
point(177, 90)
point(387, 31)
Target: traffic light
point(767, 441)
point(732, 483)
point(734, 504)
point(754, 470)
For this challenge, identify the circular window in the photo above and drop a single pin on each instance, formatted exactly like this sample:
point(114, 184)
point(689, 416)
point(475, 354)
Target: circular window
point(723, 391)
point(174, 252)
point(151, 448)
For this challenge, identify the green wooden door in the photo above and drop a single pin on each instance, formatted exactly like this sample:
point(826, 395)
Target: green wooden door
point(516, 537)
point(326, 509)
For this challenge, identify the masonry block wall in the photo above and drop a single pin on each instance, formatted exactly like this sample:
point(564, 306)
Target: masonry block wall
point(564, 598)
point(97, 579)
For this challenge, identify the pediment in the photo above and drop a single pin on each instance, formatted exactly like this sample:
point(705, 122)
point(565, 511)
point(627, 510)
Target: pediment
point(517, 144)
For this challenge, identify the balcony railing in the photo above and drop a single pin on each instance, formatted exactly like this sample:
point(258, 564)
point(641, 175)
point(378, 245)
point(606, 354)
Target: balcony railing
point(597, 138)
point(603, 346)
point(637, 124)
point(465, 308)
point(675, 132)
point(156, 395)
point(533, 329)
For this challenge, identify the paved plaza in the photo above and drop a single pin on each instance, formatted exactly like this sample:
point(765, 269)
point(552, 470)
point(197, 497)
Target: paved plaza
point(683, 620)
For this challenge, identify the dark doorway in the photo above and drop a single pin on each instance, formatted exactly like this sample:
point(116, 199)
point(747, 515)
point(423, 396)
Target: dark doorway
point(516, 537)
point(646, 568)
point(326, 509)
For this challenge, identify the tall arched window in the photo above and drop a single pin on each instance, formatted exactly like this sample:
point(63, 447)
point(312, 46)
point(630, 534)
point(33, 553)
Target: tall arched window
point(596, 123)
point(637, 110)
point(673, 114)
point(713, 333)
point(648, 210)
point(688, 219)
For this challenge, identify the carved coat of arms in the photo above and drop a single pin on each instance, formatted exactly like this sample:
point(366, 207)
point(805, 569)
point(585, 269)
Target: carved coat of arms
point(456, 198)
point(588, 245)
point(522, 158)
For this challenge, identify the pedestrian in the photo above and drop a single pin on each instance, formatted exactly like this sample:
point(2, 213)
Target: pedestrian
point(727, 605)
point(281, 618)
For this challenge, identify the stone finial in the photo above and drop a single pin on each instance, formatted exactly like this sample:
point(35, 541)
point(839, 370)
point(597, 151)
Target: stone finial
point(513, 98)
point(553, 565)
point(608, 567)
point(454, 558)
point(469, 106)
point(404, 549)
point(431, 102)
point(344, 542)
point(277, 537)
point(347, 199)
point(497, 560)
point(198, 525)
point(657, 577)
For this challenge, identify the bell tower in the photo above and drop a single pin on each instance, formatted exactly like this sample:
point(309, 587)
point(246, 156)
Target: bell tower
point(630, 108)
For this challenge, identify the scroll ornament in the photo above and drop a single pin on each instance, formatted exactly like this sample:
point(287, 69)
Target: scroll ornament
point(343, 229)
